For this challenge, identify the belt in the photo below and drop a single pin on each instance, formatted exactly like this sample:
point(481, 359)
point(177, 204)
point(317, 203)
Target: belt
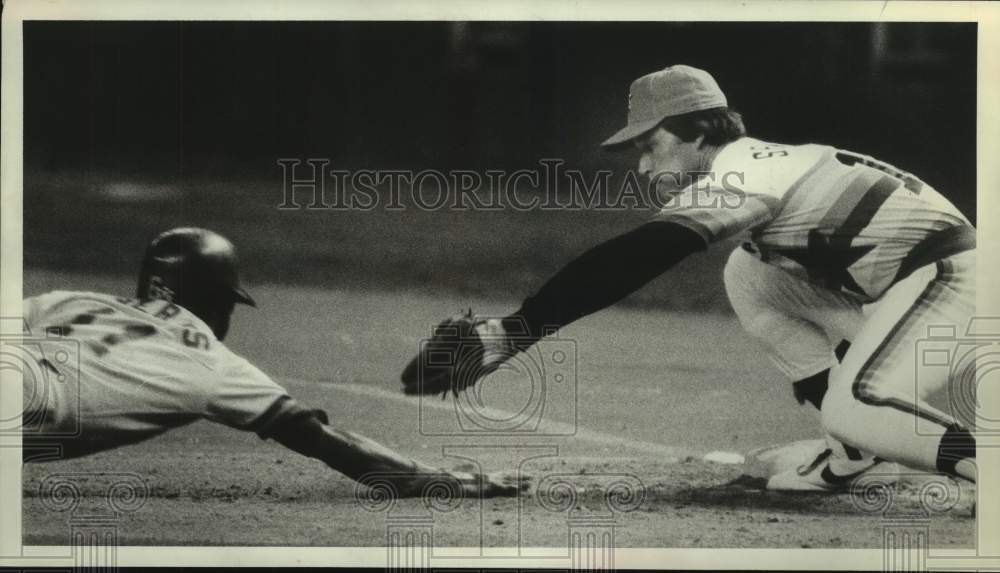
point(937, 246)
point(934, 247)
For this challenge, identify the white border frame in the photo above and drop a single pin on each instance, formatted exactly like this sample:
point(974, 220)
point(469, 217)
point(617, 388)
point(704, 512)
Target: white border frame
point(12, 554)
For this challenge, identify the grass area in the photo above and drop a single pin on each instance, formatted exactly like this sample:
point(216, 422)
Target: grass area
point(101, 224)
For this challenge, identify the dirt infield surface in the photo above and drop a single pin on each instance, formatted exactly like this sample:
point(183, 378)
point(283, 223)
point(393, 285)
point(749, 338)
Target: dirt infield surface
point(644, 396)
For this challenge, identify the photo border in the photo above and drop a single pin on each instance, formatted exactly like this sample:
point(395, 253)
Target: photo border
point(14, 554)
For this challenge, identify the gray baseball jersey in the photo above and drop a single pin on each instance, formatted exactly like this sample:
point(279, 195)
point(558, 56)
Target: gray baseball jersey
point(130, 370)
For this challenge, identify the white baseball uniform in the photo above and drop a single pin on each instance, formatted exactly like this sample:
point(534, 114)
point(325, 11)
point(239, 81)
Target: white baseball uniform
point(841, 246)
point(130, 370)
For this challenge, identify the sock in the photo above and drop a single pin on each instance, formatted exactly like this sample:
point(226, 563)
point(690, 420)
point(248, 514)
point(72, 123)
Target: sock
point(956, 445)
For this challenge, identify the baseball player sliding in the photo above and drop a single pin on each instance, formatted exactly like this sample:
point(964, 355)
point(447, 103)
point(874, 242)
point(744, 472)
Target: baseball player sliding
point(156, 362)
point(840, 247)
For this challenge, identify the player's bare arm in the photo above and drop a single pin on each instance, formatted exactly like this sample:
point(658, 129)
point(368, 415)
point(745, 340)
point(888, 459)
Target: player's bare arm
point(162, 352)
point(363, 459)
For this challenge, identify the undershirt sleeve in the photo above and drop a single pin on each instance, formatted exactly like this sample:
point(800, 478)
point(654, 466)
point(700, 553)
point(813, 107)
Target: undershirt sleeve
point(604, 275)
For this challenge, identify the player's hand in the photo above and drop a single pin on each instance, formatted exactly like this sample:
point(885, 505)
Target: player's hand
point(497, 484)
point(466, 485)
point(463, 350)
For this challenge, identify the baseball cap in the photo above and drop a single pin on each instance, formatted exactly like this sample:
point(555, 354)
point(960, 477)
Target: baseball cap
point(674, 90)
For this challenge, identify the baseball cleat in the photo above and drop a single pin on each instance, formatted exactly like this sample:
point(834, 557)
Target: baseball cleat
point(828, 474)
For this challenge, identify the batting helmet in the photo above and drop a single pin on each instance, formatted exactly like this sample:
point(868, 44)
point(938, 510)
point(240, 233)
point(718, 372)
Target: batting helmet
point(191, 267)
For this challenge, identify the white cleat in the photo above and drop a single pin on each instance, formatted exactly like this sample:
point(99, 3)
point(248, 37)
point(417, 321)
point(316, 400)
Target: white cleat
point(826, 473)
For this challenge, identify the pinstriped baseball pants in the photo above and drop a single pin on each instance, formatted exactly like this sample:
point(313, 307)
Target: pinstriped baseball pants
point(877, 399)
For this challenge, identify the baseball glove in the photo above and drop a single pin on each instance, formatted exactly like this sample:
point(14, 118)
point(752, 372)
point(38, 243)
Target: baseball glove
point(461, 351)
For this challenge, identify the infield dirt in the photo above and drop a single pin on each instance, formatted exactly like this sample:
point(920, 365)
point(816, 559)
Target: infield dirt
point(653, 391)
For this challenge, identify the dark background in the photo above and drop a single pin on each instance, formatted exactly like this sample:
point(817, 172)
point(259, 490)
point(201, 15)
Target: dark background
point(197, 113)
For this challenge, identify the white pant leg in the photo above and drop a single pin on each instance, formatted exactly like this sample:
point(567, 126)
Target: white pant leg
point(877, 396)
point(799, 324)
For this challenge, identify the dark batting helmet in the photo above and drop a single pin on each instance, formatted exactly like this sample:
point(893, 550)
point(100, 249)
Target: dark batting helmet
point(192, 267)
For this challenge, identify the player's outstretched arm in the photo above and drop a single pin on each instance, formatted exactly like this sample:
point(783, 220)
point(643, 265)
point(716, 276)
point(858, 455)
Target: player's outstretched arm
point(595, 280)
point(604, 275)
point(366, 461)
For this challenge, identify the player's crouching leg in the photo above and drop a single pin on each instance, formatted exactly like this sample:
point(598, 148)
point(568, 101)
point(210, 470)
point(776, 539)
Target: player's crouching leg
point(896, 428)
point(877, 398)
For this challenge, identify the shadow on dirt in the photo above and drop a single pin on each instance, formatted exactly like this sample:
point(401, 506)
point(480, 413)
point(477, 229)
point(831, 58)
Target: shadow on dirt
point(746, 492)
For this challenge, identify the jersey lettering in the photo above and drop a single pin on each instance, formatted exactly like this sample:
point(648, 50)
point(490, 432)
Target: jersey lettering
point(167, 312)
point(195, 339)
point(138, 376)
point(910, 182)
point(131, 331)
point(768, 151)
point(841, 219)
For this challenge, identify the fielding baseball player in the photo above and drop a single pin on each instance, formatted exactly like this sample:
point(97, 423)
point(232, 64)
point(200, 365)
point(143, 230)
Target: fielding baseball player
point(839, 247)
point(156, 362)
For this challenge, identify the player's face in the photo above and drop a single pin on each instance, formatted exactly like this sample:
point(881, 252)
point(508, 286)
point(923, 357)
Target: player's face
point(216, 314)
point(668, 160)
point(220, 324)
